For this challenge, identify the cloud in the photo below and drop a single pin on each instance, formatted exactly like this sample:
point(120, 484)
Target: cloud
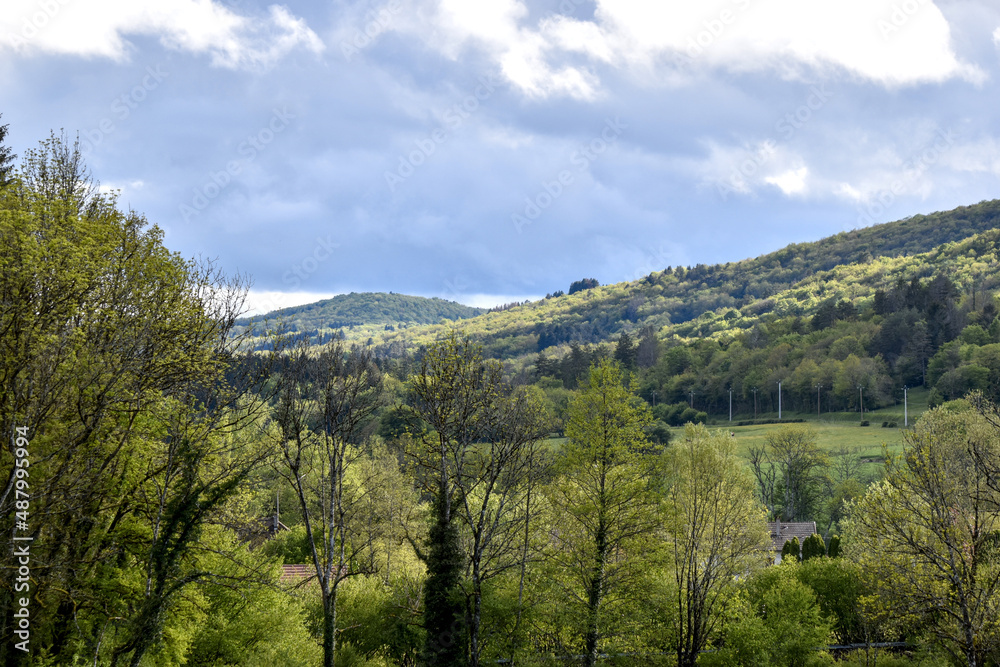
point(883, 41)
point(98, 28)
point(791, 182)
point(259, 302)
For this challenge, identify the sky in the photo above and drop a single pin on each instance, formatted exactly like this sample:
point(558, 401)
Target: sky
point(487, 152)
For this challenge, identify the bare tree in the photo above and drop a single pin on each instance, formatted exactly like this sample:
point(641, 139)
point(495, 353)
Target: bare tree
point(324, 403)
point(790, 472)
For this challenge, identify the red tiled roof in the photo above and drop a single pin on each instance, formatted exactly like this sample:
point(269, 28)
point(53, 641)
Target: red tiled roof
point(297, 572)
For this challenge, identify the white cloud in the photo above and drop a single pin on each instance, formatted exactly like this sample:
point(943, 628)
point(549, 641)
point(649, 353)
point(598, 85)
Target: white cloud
point(884, 41)
point(874, 39)
point(792, 182)
point(260, 302)
point(99, 28)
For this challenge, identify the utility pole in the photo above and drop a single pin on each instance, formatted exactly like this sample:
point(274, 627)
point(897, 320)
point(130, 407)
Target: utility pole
point(730, 404)
point(861, 394)
point(818, 387)
point(779, 400)
point(906, 416)
point(755, 402)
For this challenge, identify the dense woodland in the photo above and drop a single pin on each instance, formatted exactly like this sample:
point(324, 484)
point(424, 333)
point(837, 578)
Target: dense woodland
point(510, 492)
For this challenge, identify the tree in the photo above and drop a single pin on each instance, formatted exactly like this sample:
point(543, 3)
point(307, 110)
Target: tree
point(791, 550)
point(790, 472)
point(6, 157)
point(813, 546)
point(478, 461)
point(716, 527)
point(585, 284)
point(926, 536)
point(324, 403)
point(648, 350)
point(117, 358)
point(625, 352)
point(605, 505)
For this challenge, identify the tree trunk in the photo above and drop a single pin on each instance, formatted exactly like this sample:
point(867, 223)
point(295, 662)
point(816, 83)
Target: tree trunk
point(595, 596)
point(329, 628)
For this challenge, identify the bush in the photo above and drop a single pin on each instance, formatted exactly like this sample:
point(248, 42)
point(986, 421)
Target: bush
point(864, 422)
point(659, 432)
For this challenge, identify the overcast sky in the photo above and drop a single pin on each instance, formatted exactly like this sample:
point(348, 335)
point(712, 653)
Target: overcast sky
point(491, 151)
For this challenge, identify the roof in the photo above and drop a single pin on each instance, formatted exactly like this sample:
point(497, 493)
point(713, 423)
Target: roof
point(290, 573)
point(789, 529)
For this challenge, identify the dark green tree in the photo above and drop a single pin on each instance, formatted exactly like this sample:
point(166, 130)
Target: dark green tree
point(813, 546)
point(791, 550)
point(444, 608)
point(833, 550)
point(625, 352)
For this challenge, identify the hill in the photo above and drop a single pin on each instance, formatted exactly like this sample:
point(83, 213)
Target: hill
point(687, 302)
point(696, 301)
point(367, 310)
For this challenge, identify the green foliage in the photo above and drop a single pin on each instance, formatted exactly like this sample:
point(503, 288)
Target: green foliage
point(606, 509)
point(585, 284)
point(6, 158)
point(833, 550)
point(659, 432)
point(838, 585)
point(776, 620)
point(378, 620)
point(813, 547)
point(716, 531)
point(117, 358)
point(791, 551)
point(924, 536)
point(444, 609)
point(289, 547)
point(255, 624)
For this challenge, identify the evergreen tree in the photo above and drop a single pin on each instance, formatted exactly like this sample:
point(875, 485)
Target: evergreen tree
point(625, 352)
point(444, 608)
point(791, 550)
point(813, 546)
point(833, 551)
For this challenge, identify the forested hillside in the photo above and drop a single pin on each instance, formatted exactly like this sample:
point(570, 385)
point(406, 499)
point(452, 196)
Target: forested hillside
point(371, 310)
point(703, 300)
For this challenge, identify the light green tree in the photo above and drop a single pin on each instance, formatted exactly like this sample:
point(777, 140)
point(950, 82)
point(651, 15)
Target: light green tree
point(605, 505)
point(927, 536)
point(717, 530)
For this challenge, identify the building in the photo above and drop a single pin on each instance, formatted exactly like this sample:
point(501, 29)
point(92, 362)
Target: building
point(782, 531)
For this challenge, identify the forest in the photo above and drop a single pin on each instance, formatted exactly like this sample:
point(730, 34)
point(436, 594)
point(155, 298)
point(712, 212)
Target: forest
point(182, 487)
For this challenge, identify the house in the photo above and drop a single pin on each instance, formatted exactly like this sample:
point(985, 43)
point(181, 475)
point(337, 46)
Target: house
point(298, 573)
point(782, 531)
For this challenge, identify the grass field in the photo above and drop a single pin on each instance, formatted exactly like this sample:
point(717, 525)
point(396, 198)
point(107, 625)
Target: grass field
point(834, 431)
